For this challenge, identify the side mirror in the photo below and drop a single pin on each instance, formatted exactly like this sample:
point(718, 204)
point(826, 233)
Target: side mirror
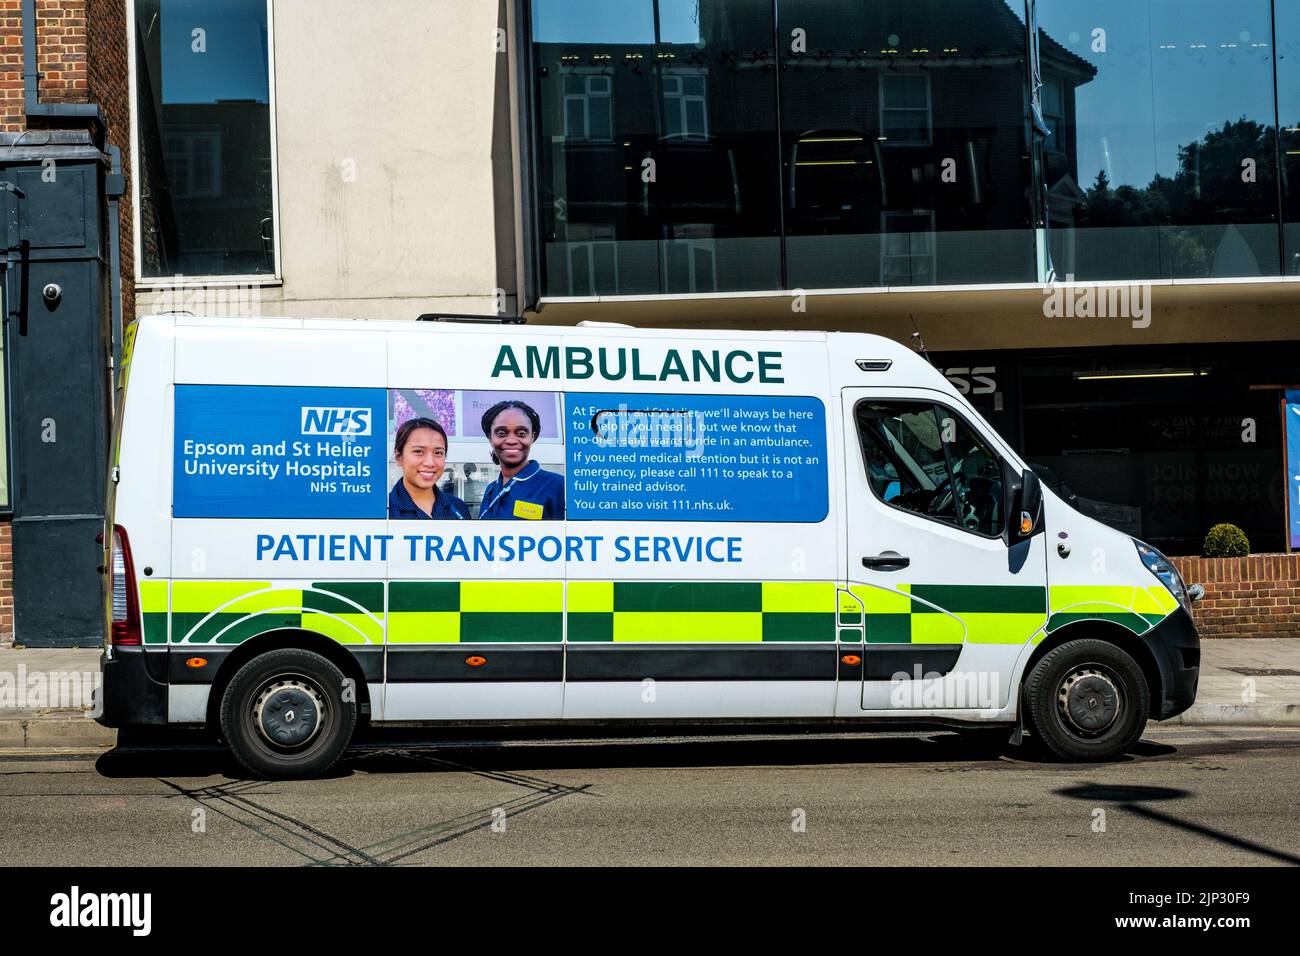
point(1026, 517)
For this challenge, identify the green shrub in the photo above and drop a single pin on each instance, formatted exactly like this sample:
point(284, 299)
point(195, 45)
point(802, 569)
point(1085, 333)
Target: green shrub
point(1226, 541)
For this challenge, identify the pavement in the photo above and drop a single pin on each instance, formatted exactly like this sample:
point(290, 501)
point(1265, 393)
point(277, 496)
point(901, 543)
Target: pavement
point(45, 692)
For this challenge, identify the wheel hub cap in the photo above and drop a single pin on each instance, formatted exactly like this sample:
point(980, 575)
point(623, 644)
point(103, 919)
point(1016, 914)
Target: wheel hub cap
point(1089, 701)
point(288, 713)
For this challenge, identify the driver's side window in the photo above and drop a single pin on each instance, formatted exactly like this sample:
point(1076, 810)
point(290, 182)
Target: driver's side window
point(924, 458)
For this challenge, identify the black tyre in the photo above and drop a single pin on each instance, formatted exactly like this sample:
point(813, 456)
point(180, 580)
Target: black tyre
point(284, 714)
point(1087, 700)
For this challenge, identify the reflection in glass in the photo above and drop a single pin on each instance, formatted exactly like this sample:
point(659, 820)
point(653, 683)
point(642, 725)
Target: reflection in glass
point(1162, 158)
point(658, 152)
point(1287, 52)
point(204, 137)
point(903, 155)
point(903, 144)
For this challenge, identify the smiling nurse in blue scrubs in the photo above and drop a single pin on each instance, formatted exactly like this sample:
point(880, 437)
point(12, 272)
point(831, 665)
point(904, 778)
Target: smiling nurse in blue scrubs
point(420, 450)
point(524, 490)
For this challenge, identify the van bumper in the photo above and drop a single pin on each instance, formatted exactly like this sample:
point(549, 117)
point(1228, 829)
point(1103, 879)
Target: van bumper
point(1177, 649)
point(130, 697)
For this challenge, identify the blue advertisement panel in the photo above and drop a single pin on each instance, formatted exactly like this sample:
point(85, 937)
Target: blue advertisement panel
point(258, 451)
point(1293, 463)
point(696, 457)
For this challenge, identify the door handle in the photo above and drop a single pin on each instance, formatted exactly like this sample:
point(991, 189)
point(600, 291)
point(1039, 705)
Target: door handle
point(888, 561)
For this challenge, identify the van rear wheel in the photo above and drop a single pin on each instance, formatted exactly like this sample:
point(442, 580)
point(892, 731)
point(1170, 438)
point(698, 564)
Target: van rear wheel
point(1087, 700)
point(284, 714)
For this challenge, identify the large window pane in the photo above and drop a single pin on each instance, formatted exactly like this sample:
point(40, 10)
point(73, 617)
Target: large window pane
point(1162, 158)
point(205, 137)
point(903, 143)
point(1287, 39)
point(658, 167)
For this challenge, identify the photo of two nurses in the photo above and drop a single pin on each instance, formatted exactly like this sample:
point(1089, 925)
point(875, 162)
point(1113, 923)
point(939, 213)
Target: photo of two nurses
point(475, 455)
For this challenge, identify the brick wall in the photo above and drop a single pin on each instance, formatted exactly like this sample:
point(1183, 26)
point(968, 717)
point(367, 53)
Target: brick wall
point(61, 50)
point(1256, 596)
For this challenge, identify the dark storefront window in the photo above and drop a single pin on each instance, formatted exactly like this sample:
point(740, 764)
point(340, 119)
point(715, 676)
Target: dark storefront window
point(1162, 161)
point(658, 156)
point(1162, 444)
point(204, 117)
point(1157, 442)
point(903, 144)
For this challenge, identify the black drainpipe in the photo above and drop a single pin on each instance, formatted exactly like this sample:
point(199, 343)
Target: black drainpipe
point(114, 188)
point(31, 93)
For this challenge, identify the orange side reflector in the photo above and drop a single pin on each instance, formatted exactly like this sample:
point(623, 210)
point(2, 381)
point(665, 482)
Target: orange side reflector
point(197, 662)
point(851, 659)
point(476, 661)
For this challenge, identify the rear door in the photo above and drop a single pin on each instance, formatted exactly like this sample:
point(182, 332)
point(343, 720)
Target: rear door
point(947, 603)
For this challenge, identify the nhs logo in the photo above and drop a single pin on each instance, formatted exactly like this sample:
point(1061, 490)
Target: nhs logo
point(327, 420)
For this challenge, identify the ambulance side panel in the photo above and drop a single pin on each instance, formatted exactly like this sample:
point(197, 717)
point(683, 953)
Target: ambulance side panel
point(226, 592)
point(749, 637)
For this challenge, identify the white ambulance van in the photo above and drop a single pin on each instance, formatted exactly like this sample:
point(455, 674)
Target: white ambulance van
point(320, 523)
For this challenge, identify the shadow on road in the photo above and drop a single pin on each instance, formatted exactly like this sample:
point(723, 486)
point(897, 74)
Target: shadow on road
point(1133, 799)
point(187, 754)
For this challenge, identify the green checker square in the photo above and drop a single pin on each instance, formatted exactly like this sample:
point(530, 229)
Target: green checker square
point(798, 626)
point(591, 626)
point(889, 628)
point(424, 596)
point(503, 627)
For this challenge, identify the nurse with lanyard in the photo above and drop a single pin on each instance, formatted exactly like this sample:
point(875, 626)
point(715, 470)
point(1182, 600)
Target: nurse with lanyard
point(420, 449)
point(523, 490)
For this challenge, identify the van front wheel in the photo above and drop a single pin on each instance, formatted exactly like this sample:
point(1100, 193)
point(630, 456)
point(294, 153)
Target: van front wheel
point(284, 714)
point(1087, 700)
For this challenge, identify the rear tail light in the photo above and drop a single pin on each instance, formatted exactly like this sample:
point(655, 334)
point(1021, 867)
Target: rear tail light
point(124, 629)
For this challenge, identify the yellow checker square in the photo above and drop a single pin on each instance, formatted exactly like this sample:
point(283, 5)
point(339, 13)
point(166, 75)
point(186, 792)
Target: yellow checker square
point(200, 597)
point(882, 600)
point(799, 597)
point(1001, 628)
point(936, 629)
point(504, 596)
point(586, 596)
point(1065, 596)
point(424, 627)
point(153, 597)
point(704, 627)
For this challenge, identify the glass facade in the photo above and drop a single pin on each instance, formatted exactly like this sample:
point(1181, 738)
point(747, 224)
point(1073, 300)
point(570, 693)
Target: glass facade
point(695, 146)
point(1165, 162)
point(204, 149)
point(658, 149)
